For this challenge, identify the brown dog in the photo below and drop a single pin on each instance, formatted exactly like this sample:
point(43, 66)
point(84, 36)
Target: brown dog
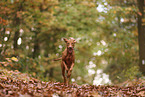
point(68, 59)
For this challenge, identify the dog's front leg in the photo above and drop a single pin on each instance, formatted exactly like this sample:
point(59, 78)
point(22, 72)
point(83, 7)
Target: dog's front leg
point(71, 67)
point(65, 66)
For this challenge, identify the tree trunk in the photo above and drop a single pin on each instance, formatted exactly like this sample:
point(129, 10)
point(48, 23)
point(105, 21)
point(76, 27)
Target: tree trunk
point(17, 33)
point(36, 46)
point(16, 37)
point(51, 72)
point(141, 36)
point(17, 22)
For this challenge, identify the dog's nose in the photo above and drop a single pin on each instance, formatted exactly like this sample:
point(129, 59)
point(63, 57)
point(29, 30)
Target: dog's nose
point(70, 47)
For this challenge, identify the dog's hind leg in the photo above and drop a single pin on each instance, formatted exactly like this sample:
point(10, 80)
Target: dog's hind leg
point(63, 72)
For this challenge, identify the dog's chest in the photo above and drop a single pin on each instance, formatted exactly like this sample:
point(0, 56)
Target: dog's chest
point(69, 59)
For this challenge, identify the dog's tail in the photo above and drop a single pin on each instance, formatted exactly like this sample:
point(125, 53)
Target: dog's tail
point(57, 59)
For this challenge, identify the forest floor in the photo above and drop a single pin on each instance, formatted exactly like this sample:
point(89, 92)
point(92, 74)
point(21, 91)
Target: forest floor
point(16, 84)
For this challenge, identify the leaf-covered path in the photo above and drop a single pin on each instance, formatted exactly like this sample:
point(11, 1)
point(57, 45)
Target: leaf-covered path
point(16, 84)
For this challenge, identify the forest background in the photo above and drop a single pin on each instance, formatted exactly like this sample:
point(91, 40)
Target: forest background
point(110, 37)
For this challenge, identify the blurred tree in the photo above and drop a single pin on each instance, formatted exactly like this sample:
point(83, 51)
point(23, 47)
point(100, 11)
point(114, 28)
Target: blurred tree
point(141, 35)
point(5, 18)
point(17, 21)
point(121, 31)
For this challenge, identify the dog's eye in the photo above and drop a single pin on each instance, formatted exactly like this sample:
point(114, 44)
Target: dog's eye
point(67, 43)
point(72, 43)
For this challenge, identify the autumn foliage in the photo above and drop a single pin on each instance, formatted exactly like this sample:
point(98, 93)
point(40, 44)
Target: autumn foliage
point(16, 84)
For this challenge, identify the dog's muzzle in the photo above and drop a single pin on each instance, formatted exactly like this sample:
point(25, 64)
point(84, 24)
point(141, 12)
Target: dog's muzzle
point(70, 49)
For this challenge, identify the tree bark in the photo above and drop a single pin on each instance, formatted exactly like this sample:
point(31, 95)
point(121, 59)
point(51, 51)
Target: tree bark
point(141, 36)
point(17, 22)
point(36, 52)
point(16, 37)
point(51, 72)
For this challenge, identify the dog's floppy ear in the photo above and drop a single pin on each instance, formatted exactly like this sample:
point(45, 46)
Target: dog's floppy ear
point(65, 39)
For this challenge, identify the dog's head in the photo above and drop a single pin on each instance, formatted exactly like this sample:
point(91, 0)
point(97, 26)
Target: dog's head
point(70, 43)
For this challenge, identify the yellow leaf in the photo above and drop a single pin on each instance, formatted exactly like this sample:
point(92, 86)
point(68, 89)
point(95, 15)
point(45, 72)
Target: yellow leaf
point(14, 59)
point(34, 74)
point(56, 7)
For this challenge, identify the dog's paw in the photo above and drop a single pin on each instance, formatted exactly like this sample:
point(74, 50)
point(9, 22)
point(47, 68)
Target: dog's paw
point(66, 69)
